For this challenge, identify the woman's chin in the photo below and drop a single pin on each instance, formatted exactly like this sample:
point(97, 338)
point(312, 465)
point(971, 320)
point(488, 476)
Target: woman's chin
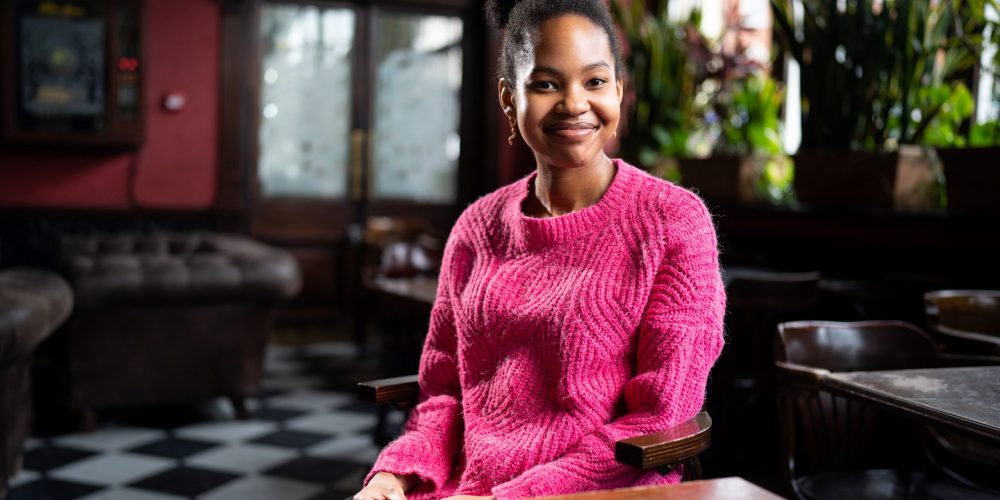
point(572, 160)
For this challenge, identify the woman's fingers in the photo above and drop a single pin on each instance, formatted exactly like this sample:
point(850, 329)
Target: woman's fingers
point(378, 492)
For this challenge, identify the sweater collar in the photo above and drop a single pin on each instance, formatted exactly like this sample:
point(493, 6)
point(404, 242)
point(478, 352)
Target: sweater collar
point(530, 233)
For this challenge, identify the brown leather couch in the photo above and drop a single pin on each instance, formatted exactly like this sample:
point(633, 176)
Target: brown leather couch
point(33, 303)
point(171, 317)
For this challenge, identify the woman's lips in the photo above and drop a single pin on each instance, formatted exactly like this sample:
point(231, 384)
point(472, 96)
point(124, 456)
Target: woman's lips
point(573, 131)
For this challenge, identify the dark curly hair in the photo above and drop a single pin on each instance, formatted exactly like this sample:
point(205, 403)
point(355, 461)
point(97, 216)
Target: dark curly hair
point(520, 21)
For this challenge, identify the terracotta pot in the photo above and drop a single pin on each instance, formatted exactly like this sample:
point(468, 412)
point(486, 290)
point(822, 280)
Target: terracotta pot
point(722, 179)
point(837, 178)
point(971, 178)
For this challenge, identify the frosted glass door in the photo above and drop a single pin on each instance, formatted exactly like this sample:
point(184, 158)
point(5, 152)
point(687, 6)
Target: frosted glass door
point(305, 107)
point(415, 140)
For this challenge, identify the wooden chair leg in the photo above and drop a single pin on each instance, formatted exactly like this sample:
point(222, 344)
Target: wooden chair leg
point(692, 469)
point(379, 436)
point(88, 420)
point(239, 407)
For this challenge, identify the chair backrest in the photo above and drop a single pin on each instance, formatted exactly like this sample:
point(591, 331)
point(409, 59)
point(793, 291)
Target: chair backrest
point(756, 302)
point(827, 432)
point(857, 346)
point(964, 311)
point(779, 292)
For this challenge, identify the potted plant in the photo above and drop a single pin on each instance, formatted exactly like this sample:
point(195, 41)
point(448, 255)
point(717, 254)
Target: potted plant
point(695, 116)
point(745, 117)
point(659, 104)
point(738, 156)
point(969, 161)
point(863, 66)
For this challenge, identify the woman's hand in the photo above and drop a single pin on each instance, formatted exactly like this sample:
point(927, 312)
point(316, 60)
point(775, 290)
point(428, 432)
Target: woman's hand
point(386, 486)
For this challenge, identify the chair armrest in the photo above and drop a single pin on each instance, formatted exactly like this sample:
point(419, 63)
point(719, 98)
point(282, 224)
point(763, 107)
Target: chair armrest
point(669, 447)
point(399, 391)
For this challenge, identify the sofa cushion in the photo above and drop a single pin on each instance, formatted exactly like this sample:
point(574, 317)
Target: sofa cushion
point(177, 266)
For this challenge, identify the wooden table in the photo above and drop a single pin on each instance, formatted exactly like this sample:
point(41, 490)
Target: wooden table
point(966, 399)
point(402, 322)
point(419, 289)
point(725, 488)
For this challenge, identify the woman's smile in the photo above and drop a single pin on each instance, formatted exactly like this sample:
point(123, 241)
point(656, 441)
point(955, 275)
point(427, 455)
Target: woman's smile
point(571, 131)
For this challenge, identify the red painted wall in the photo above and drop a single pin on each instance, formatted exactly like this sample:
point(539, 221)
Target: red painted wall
point(176, 166)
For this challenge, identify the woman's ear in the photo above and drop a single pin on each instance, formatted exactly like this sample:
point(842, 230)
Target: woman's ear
point(506, 96)
point(620, 87)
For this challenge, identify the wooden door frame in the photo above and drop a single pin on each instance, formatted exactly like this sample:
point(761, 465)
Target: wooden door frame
point(240, 205)
point(322, 238)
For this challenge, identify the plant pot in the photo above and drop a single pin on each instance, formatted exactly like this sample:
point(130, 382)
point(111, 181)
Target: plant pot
point(971, 178)
point(720, 179)
point(840, 178)
point(918, 180)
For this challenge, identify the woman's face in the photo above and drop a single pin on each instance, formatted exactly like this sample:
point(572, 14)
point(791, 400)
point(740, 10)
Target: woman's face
point(567, 98)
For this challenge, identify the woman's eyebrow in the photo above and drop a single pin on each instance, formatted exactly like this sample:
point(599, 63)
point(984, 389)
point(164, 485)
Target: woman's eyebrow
point(556, 72)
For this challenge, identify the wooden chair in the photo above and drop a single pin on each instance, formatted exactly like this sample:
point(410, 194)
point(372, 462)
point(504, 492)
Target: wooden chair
point(834, 447)
point(757, 301)
point(968, 321)
point(663, 451)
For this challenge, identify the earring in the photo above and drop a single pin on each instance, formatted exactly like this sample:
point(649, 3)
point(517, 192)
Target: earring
point(513, 133)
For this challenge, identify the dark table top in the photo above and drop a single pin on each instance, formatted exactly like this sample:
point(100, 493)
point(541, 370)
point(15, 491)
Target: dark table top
point(419, 289)
point(964, 399)
point(724, 488)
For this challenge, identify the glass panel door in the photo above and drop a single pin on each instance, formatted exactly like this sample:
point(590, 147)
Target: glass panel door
point(415, 140)
point(305, 107)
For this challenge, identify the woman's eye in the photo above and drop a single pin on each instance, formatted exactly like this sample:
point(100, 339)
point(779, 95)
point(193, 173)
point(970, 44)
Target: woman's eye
point(544, 85)
point(596, 82)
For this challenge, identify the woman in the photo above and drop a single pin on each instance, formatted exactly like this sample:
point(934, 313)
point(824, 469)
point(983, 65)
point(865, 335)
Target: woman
point(576, 307)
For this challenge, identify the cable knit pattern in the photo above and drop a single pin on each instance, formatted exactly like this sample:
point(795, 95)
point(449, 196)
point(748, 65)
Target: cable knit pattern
point(550, 339)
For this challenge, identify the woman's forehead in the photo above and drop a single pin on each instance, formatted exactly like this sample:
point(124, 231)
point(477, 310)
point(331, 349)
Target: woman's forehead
point(570, 43)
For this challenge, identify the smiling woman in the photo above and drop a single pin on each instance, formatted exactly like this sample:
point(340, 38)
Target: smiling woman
point(576, 307)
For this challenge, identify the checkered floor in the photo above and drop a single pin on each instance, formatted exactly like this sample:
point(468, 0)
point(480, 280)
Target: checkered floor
point(308, 439)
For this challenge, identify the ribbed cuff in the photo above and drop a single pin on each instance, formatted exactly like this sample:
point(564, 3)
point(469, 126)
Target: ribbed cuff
point(410, 455)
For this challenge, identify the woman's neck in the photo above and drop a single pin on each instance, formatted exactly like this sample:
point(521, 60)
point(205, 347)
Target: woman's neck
point(560, 191)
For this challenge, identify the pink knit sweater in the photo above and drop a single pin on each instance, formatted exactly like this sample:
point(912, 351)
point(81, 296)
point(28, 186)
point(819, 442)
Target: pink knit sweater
point(550, 339)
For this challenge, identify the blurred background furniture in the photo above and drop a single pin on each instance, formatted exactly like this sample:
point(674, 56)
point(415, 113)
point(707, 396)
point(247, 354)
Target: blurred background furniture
point(33, 303)
point(968, 321)
point(680, 445)
point(757, 300)
point(741, 394)
point(835, 447)
point(399, 276)
point(170, 317)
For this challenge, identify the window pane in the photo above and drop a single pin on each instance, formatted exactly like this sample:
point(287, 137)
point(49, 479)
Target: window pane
point(305, 121)
point(415, 138)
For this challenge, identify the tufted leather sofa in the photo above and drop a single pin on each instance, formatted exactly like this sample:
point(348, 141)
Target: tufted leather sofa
point(171, 317)
point(33, 303)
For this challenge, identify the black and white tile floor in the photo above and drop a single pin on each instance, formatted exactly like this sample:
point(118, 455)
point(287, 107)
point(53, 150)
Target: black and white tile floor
point(308, 439)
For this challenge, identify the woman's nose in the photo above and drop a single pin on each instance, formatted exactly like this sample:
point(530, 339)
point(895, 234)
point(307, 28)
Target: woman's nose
point(574, 101)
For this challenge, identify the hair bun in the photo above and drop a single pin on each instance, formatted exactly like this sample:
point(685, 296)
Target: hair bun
point(498, 12)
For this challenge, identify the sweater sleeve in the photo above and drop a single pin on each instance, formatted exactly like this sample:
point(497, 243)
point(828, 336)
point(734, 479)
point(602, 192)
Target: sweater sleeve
point(432, 435)
point(680, 336)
